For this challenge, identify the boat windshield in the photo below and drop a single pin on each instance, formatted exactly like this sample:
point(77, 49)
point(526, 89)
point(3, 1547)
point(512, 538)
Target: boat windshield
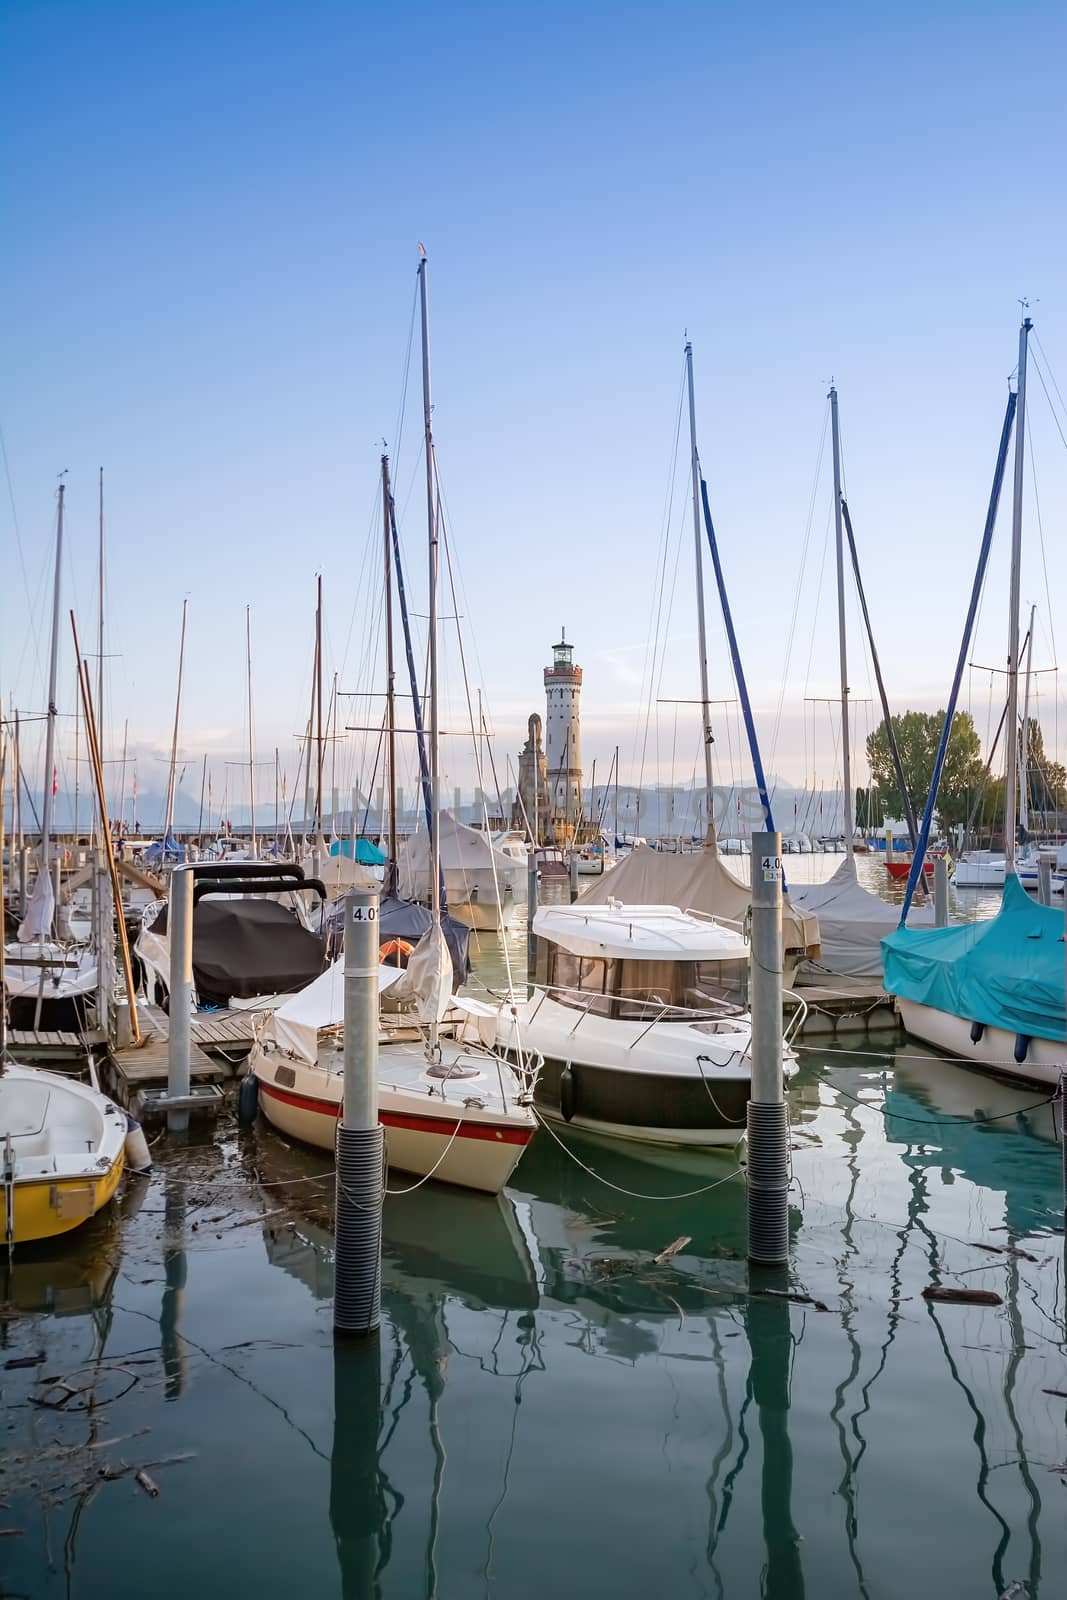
point(641, 990)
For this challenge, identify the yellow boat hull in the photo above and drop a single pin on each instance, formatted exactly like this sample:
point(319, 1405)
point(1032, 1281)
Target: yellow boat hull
point(44, 1208)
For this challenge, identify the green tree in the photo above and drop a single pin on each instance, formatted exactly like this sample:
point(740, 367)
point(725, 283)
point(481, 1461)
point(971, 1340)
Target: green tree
point(918, 734)
point(1047, 779)
point(870, 809)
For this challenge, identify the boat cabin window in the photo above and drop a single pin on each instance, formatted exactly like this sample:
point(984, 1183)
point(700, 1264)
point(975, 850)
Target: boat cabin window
point(643, 990)
point(585, 982)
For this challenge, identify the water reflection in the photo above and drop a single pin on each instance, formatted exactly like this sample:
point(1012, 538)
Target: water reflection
point(551, 1409)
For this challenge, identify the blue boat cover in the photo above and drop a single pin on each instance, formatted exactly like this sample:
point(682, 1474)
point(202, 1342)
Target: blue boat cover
point(1007, 972)
point(367, 854)
point(167, 849)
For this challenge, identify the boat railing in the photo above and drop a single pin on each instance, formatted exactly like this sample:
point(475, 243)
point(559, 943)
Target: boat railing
point(711, 916)
point(589, 1002)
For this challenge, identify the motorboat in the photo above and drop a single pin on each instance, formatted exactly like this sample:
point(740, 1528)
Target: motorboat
point(62, 1149)
point(701, 882)
point(637, 1030)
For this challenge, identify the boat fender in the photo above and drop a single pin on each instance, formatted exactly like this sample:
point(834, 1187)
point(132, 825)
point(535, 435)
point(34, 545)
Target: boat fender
point(138, 1155)
point(1022, 1047)
point(248, 1098)
point(566, 1092)
point(977, 1030)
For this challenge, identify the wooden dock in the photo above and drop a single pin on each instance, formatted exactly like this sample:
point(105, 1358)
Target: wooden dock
point(137, 1072)
point(38, 1044)
point(846, 1005)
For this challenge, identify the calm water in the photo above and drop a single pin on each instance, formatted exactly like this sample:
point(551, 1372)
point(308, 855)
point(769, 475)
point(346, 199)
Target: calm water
point(550, 1411)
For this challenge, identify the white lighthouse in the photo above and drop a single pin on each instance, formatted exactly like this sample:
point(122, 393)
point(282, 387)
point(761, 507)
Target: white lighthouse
point(563, 738)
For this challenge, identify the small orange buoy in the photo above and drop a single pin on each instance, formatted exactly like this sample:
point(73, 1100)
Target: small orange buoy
point(395, 952)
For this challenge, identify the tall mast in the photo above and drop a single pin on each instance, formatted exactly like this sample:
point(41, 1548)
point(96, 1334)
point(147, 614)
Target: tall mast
point(431, 524)
point(1011, 729)
point(169, 819)
point(100, 629)
point(53, 678)
point(842, 642)
point(318, 710)
point(1024, 756)
point(203, 787)
point(16, 792)
point(277, 758)
point(390, 683)
point(702, 632)
point(251, 761)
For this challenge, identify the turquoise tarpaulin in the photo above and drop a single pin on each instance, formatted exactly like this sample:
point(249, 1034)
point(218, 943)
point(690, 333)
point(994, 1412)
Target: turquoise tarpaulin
point(367, 854)
point(1007, 972)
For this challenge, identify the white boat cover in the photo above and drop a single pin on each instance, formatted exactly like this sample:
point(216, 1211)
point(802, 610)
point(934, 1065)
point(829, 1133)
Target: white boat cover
point(699, 882)
point(339, 873)
point(638, 933)
point(425, 984)
point(468, 858)
point(37, 923)
point(321, 1005)
point(852, 923)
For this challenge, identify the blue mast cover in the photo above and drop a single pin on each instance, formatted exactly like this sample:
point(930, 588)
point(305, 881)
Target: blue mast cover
point(1006, 972)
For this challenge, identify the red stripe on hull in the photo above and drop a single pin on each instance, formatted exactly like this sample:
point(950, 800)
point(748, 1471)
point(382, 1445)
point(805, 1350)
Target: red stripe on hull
point(391, 1119)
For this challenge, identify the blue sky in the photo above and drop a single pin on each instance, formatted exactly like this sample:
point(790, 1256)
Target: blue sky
point(212, 211)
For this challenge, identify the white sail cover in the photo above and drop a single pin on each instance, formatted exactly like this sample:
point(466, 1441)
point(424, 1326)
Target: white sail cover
point(37, 923)
point(469, 860)
point(321, 1005)
point(852, 923)
point(697, 881)
point(425, 984)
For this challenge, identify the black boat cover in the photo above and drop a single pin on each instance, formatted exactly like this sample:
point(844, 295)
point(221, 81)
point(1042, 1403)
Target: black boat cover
point(248, 947)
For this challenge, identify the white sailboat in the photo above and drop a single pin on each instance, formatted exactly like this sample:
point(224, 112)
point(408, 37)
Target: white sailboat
point(852, 920)
point(453, 1109)
point(50, 980)
point(993, 992)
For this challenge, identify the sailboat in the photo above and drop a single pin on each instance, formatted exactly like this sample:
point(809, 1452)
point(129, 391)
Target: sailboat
point(62, 1143)
point(700, 880)
point(852, 920)
point(991, 992)
point(452, 1108)
point(50, 981)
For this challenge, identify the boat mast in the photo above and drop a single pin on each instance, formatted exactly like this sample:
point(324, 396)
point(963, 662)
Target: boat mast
point(615, 824)
point(1011, 731)
point(846, 748)
point(1024, 757)
point(100, 629)
point(169, 819)
point(251, 763)
point(389, 884)
point(50, 735)
point(702, 632)
point(431, 527)
point(318, 713)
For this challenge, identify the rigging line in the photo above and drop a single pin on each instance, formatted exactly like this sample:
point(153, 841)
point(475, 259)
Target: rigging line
point(652, 640)
point(1051, 375)
point(815, 614)
point(18, 547)
point(1052, 408)
point(812, 501)
point(402, 411)
point(1041, 537)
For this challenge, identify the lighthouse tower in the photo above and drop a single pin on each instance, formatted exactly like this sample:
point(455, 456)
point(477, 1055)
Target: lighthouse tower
point(563, 739)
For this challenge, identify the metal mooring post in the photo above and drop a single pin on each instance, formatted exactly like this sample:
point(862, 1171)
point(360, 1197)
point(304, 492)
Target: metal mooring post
point(531, 912)
point(574, 874)
point(1044, 880)
point(179, 1041)
point(768, 1126)
point(357, 1287)
point(941, 891)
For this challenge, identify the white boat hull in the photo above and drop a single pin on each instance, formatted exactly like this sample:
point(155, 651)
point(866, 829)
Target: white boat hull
point(475, 1147)
point(994, 1051)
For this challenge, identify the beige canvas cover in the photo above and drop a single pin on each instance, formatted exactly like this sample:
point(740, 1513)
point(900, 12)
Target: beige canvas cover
point(696, 882)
